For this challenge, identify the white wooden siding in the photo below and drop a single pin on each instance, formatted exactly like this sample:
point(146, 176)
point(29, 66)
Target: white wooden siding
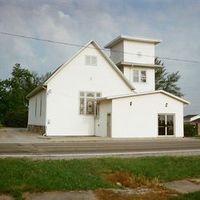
point(63, 99)
point(141, 119)
point(37, 115)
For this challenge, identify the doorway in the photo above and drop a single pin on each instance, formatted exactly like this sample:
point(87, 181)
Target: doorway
point(109, 124)
point(165, 124)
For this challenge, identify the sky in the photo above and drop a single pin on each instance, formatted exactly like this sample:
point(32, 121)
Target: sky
point(175, 22)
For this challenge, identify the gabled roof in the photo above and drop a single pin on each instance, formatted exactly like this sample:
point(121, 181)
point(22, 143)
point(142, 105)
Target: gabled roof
point(38, 89)
point(112, 64)
point(128, 38)
point(191, 118)
point(145, 93)
point(103, 54)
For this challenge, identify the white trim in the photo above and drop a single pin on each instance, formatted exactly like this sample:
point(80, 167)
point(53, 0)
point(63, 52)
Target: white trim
point(132, 64)
point(145, 93)
point(103, 54)
point(66, 63)
point(174, 124)
point(136, 39)
point(114, 67)
point(194, 118)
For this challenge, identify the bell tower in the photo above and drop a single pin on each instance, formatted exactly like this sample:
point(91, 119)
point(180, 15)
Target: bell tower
point(135, 58)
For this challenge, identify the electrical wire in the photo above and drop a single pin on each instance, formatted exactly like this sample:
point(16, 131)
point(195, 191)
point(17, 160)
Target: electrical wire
point(103, 49)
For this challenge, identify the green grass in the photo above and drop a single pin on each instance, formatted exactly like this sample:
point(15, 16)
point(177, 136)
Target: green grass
point(19, 175)
point(190, 196)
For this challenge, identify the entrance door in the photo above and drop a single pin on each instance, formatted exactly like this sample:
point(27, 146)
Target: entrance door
point(165, 124)
point(109, 124)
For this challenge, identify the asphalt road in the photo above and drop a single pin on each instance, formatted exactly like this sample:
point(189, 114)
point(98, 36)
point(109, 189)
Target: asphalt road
point(105, 146)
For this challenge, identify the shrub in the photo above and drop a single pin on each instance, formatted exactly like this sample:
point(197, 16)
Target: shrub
point(190, 130)
point(16, 119)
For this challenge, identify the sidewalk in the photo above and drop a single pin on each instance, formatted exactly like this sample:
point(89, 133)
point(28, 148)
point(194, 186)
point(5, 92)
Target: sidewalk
point(21, 135)
point(184, 186)
point(174, 187)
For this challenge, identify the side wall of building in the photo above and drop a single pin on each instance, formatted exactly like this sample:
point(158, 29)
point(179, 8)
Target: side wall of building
point(138, 52)
point(137, 116)
point(37, 112)
point(117, 53)
point(149, 85)
point(63, 93)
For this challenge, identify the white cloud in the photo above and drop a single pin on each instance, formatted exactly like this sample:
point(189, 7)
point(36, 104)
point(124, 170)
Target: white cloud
point(176, 23)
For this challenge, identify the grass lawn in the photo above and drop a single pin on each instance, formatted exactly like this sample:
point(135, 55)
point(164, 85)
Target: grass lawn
point(190, 196)
point(20, 175)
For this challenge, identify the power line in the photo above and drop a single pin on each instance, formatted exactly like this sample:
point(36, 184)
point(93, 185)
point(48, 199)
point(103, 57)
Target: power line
point(103, 49)
point(39, 39)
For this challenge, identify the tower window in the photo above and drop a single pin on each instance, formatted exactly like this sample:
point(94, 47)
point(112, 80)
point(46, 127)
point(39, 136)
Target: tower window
point(139, 76)
point(143, 76)
point(135, 75)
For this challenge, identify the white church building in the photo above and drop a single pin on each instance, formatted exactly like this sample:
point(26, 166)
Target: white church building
point(94, 95)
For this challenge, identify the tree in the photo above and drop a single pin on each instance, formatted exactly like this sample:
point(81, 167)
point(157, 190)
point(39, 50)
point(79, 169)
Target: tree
point(13, 93)
point(166, 81)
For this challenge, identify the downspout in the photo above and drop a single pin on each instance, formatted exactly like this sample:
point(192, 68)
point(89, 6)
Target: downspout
point(45, 88)
point(95, 114)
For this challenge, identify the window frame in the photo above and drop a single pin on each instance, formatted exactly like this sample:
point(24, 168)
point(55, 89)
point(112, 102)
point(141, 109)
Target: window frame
point(91, 60)
point(143, 77)
point(35, 106)
point(84, 96)
point(41, 97)
point(139, 76)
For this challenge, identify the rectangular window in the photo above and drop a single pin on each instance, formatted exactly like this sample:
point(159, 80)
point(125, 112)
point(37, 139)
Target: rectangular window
point(90, 94)
point(143, 76)
point(41, 105)
point(88, 104)
point(90, 107)
point(35, 106)
point(82, 105)
point(139, 76)
point(166, 124)
point(135, 76)
point(97, 109)
point(91, 60)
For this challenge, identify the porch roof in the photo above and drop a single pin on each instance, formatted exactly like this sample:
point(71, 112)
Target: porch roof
point(144, 93)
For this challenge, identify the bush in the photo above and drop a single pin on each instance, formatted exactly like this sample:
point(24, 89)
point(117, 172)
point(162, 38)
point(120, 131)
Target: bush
point(16, 119)
point(190, 130)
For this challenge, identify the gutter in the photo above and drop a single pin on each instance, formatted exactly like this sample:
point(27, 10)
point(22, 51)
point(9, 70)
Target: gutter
point(36, 90)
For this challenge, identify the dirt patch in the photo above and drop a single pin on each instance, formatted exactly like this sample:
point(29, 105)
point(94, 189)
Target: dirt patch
point(125, 179)
point(133, 187)
point(6, 197)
